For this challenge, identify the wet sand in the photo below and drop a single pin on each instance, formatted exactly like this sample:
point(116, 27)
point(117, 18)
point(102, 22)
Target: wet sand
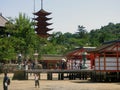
point(60, 85)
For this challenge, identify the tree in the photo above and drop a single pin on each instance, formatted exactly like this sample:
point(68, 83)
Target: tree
point(81, 32)
point(22, 38)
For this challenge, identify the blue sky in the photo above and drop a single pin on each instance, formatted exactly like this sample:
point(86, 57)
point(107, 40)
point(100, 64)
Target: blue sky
point(68, 14)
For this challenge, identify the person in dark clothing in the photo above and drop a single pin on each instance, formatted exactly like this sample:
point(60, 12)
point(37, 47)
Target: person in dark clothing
point(5, 82)
point(80, 65)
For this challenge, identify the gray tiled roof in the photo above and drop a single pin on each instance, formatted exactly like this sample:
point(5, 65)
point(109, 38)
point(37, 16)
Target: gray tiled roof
point(105, 45)
point(3, 21)
point(52, 57)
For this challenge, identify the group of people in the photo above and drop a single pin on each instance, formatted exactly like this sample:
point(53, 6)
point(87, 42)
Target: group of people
point(74, 65)
point(6, 81)
point(29, 65)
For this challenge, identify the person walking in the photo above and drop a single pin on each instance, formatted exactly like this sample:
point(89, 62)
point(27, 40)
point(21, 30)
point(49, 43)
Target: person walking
point(6, 82)
point(36, 80)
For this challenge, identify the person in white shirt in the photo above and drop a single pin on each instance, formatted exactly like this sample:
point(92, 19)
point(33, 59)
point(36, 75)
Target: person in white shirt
point(36, 80)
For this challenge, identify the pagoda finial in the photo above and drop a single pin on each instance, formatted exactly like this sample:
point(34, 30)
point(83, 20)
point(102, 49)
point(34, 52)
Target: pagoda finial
point(34, 6)
point(41, 4)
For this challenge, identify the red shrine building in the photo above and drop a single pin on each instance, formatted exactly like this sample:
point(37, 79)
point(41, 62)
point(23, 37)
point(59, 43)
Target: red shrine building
point(51, 61)
point(79, 58)
point(107, 62)
point(107, 57)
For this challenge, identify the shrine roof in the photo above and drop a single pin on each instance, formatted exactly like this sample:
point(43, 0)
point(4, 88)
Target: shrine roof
point(3, 21)
point(79, 51)
point(105, 45)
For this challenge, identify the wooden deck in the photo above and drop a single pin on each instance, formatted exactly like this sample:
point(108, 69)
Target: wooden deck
point(62, 74)
point(56, 71)
point(82, 74)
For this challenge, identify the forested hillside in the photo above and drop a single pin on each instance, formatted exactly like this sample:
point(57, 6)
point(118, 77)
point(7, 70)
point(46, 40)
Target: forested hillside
point(105, 33)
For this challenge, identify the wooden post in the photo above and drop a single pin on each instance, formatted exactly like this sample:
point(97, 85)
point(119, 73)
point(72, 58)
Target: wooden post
point(49, 76)
point(59, 77)
point(62, 76)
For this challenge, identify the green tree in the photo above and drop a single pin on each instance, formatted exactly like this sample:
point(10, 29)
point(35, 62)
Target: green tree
point(81, 32)
point(21, 38)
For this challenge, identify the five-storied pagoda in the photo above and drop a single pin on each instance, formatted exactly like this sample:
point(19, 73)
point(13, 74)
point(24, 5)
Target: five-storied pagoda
point(41, 25)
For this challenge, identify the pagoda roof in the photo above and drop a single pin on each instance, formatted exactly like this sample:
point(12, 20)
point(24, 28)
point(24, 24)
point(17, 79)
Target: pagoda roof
point(42, 12)
point(44, 35)
point(42, 18)
point(43, 30)
point(41, 24)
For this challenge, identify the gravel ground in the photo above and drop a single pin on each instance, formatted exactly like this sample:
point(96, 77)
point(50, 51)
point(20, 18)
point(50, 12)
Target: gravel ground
point(59, 85)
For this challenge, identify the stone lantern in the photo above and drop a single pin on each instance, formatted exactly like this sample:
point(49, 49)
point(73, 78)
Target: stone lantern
point(84, 59)
point(36, 57)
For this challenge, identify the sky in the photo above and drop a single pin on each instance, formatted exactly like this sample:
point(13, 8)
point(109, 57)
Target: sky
point(67, 14)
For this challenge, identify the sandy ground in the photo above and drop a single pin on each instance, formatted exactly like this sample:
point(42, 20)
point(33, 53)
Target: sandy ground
point(59, 85)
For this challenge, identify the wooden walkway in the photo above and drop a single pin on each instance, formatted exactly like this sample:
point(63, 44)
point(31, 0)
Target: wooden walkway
point(62, 74)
